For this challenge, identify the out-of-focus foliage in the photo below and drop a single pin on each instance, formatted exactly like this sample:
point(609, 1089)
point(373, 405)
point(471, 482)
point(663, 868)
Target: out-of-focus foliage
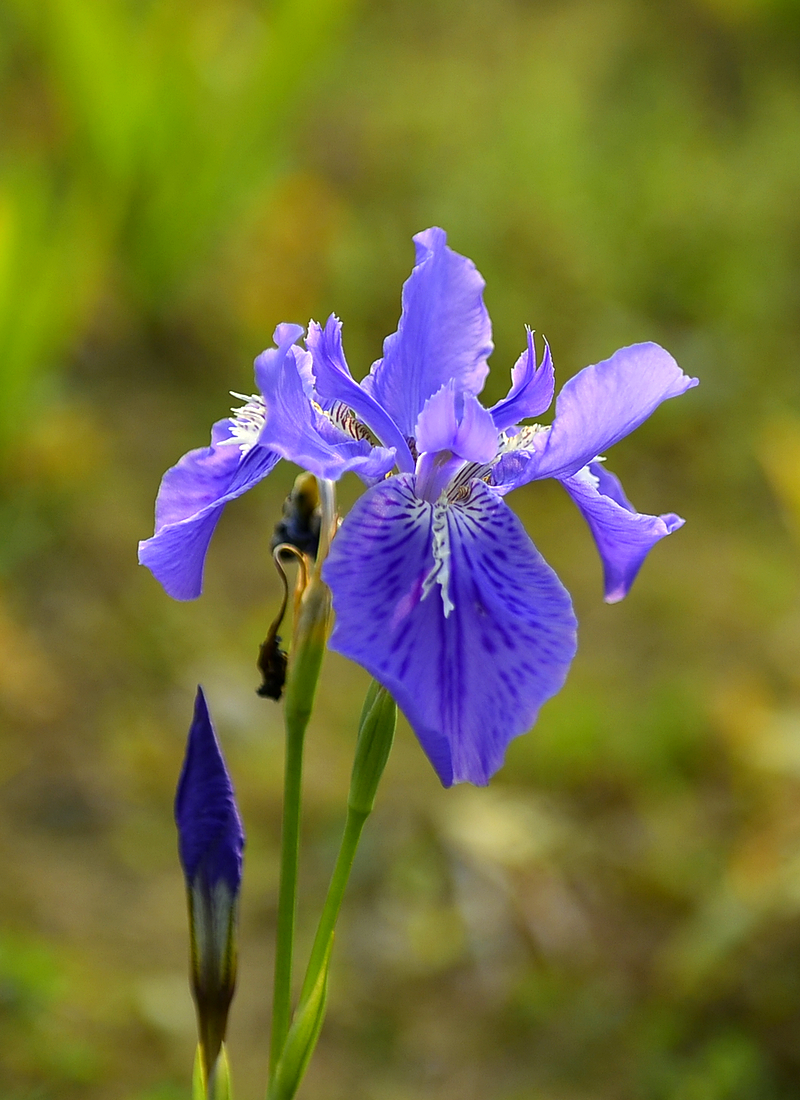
point(618, 915)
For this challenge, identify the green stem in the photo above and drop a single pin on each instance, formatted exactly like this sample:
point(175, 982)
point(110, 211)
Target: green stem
point(333, 902)
point(375, 736)
point(293, 1046)
point(287, 891)
point(310, 634)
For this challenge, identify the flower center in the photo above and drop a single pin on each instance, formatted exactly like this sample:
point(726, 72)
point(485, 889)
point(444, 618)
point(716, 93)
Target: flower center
point(346, 420)
point(519, 439)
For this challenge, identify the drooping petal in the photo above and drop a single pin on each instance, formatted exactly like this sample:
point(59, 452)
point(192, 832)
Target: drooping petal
point(624, 537)
point(333, 382)
point(190, 501)
point(469, 659)
point(531, 391)
point(444, 332)
point(604, 403)
point(297, 431)
point(210, 833)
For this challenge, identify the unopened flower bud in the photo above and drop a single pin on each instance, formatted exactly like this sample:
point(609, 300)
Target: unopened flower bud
point(210, 844)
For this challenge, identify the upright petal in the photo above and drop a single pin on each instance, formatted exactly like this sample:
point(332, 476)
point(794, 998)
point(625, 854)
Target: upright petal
point(333, 382)
point(470, 660)
point(624, 537)
point(190, 502)
point(453, 428)
point(457, 422)
point(531, 391)
point(604, 403)
point(297, 431)
point(444, 333)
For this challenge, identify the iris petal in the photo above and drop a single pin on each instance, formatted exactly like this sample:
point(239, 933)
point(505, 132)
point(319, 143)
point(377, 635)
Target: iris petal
point(444, 333)
point(190, 501)
point(457, 422)
point(604, 403)
point(531, 391)
point(295, 430)
point(333, 382)
point(472, 679)
point(624, 537)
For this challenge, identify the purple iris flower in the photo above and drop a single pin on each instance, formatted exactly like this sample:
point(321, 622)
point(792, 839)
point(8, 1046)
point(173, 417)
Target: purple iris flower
point(437, 588)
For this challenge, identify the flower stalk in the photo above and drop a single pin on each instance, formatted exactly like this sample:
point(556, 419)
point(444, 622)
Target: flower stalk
point(309, 639)
point(375, 739)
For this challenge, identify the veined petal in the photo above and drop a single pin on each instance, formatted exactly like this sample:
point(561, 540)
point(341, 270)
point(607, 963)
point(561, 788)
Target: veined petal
point(297, 431)
point(531, 391)
point(469, 659)
point(604, 403)
point(444, 332)
point(333, 382)
point(190, 501)
point(623, 536)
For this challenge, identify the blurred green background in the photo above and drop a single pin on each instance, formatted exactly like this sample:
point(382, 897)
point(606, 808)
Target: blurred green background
point(618, 915)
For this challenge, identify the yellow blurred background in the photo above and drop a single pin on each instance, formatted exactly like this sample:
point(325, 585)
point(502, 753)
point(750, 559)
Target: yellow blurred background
point(617, 916)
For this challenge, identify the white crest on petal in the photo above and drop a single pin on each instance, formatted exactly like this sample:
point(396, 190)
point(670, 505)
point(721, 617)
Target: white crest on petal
point(440, 574)
point(586, 476)
point(247, 421)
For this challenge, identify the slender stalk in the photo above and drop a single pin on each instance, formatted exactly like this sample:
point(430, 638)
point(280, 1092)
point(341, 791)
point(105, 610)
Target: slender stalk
point(311, 625)
point(375, 737)
point(333, 902)
point(287, 891)
point(310, 635)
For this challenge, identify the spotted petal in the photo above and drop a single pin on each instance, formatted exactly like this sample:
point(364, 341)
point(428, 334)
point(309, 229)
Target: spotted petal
point(333, 382)
point(469, 678)
point(624, 537)
point(444, 333)
point(190, 501)
point(604, 403)
point(297, 431)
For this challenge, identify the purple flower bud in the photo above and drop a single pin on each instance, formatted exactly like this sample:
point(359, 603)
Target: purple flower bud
point(210, 833)
point(210, 844)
